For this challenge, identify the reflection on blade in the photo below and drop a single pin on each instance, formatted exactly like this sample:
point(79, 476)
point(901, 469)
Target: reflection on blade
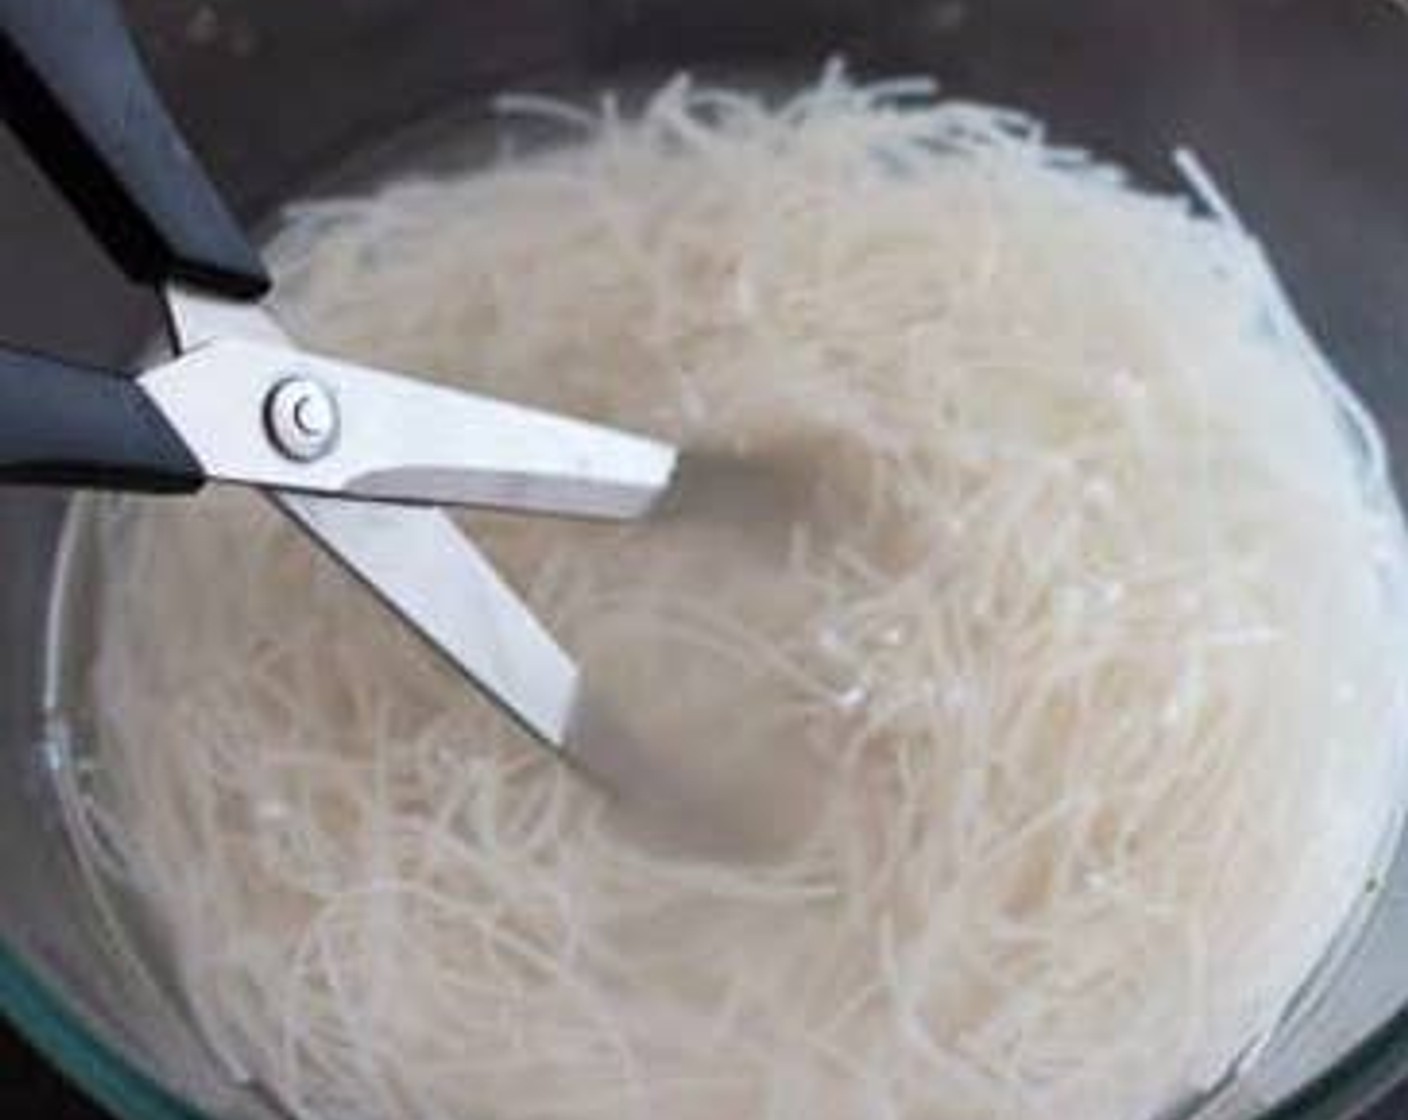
point(423, 568)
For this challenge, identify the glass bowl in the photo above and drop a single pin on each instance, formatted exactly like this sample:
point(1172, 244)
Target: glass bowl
point(1295, 104)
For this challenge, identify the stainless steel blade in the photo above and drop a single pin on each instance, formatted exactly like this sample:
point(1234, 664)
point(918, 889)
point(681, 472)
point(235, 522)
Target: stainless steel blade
point(194, 318)
point(387, 437)
point(418, 563)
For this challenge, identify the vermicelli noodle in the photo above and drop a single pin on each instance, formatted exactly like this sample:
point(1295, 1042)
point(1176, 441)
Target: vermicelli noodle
point(1077, 639)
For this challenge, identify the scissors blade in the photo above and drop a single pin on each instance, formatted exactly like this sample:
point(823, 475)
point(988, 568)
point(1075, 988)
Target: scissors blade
point(194, 318)
point(400, 439)
point(418, 563)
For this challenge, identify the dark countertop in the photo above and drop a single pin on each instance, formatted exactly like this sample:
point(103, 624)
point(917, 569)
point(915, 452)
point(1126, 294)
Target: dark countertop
point(30, 1089)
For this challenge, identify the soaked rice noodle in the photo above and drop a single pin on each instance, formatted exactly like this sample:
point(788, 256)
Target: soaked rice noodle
point(1081, 633)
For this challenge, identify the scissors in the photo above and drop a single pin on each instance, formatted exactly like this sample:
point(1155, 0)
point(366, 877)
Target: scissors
point(358, 458)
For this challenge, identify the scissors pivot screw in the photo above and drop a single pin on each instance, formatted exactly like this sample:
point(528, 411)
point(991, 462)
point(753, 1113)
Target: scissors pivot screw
point(301, 416)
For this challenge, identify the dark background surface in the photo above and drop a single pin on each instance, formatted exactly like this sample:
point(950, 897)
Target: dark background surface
point(31, 1090)
point(1279, 83)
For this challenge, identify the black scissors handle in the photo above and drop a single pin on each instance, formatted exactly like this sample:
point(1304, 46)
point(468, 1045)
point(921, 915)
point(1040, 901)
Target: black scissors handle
point(75, 92)
point(68, 425)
